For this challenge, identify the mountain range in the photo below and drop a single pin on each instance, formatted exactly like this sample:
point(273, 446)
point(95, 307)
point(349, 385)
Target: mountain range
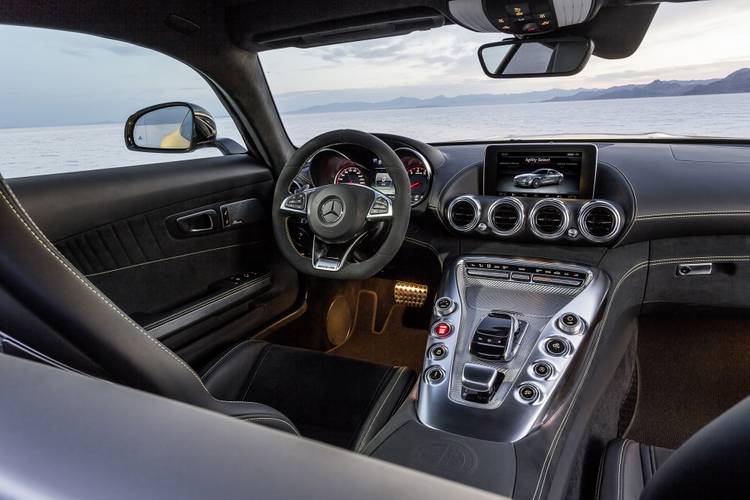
point(737, 82)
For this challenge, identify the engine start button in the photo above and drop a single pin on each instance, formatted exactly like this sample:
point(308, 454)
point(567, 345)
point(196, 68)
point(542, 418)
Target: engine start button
point(442, 329)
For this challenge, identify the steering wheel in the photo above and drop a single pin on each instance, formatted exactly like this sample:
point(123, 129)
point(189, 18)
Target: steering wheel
point(340, 216)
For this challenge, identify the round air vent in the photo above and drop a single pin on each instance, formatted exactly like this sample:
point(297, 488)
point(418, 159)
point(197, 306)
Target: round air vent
point(463, 213)
point(599, 221)
point(549, 219)
point(506, 216)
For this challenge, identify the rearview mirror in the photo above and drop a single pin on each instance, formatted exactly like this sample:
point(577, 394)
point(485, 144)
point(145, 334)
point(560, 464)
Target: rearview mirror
point(538, 57)
point(175, 127)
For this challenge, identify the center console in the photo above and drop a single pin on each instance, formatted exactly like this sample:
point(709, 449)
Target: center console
point(505, 336)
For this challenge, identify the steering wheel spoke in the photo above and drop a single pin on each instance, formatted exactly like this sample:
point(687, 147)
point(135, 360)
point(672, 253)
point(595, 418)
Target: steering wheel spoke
point(296, 203)
point(381, 208)
point(332, 257)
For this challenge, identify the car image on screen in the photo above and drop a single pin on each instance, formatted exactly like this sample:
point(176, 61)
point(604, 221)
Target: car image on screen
point(538, 178)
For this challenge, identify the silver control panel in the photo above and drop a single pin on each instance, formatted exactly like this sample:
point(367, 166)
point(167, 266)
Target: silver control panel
point(504, 334)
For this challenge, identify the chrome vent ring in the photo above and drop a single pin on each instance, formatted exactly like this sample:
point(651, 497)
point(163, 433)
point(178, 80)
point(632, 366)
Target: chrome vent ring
point(463, 213)
point(599, 221)
point(506, 216)
point(549, 219)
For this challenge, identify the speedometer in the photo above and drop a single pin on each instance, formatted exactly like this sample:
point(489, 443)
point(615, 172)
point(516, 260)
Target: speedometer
point(350, 174)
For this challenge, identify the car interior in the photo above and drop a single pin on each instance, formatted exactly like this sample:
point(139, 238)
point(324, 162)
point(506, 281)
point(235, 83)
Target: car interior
point(364, 314)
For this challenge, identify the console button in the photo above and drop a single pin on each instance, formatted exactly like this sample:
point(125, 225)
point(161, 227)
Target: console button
point(434, 375)
point(444, 306)
point(551, 280)
point(520, 277)
point(556, 347)
point(528, 393)
point(438, 351)
point(542, 369)
point(442, 329)
point(570, 323)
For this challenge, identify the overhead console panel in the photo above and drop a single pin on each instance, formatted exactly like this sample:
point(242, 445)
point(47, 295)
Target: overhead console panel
point(521, 17)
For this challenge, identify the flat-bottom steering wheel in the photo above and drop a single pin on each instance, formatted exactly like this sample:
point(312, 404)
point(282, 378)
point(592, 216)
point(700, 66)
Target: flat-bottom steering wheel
point(340, 216)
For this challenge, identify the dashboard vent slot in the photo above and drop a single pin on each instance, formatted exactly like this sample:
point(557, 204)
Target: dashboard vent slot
point(549, 219)
point(599, 221)
point(463, 214)
point(506, 216)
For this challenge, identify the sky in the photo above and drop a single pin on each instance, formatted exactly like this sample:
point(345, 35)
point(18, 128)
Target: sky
point(55, 78)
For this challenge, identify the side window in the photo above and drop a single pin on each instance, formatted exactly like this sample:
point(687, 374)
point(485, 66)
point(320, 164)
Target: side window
point(65, 98)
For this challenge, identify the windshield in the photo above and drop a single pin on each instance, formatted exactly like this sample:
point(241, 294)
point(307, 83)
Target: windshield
point(689, 77)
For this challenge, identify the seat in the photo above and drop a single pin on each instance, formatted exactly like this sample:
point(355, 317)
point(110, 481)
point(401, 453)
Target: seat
point(52, 313)
point(711, 464)
point(628, 466)
point(336, 400)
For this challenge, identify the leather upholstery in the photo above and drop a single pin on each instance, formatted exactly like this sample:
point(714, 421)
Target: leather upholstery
point(711, 464)
point(34, 273)
point(323, 394)
point(626, 469)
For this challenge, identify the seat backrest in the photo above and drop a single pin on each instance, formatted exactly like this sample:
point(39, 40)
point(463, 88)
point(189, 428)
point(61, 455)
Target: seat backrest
point(714, 463)
point(49, 304)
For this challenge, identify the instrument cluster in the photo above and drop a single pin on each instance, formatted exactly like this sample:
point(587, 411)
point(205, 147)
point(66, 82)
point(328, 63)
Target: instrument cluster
point(349, 164)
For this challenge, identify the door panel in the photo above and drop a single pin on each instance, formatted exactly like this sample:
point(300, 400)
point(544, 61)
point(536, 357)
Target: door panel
point(119, 227)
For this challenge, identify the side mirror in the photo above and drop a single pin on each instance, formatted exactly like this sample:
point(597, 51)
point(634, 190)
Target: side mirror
point(537, 57)
point(175, 127)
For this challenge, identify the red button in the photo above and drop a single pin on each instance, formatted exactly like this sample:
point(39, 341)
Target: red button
point(442, 329)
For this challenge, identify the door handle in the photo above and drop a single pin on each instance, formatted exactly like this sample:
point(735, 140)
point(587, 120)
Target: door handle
point(690, 269)
point(199, 222)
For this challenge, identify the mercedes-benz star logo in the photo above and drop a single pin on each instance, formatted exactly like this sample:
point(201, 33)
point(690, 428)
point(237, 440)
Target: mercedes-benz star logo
point(331, 210)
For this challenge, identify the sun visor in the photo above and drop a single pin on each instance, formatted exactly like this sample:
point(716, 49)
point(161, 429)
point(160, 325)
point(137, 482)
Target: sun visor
point(516, 17)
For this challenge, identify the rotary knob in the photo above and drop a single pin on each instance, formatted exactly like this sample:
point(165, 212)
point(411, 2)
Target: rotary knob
point(570, 323)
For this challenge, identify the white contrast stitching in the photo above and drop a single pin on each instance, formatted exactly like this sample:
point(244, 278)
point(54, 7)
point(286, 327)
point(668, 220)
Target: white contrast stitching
point(707, 213)
point(218, 362)
point(382, 405)
point(270, 419)
point(620, 469)
point(683, 215)
point(156, 261)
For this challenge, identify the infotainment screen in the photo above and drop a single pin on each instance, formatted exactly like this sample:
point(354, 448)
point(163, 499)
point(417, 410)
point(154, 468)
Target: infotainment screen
point(541, 170)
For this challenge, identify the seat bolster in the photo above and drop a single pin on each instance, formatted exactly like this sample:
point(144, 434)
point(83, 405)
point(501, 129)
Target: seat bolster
point(261, 414)
point(626, 469)
point(393, 394)
point(228, 375)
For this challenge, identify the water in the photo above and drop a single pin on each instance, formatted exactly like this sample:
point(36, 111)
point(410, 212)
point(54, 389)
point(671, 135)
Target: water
point(35, 151)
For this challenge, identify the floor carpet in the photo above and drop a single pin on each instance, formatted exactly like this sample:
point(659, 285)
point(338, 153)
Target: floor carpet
point(691, 369)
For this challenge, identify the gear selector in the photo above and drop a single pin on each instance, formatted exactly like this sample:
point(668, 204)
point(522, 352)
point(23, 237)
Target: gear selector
point(479, 383)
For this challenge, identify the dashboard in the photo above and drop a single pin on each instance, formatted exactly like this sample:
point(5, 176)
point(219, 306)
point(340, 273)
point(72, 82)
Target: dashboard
point(622, 192)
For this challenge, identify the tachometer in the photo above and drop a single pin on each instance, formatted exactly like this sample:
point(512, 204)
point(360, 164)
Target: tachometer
point(419, 182)
point(419, 173)
point(350, 174)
